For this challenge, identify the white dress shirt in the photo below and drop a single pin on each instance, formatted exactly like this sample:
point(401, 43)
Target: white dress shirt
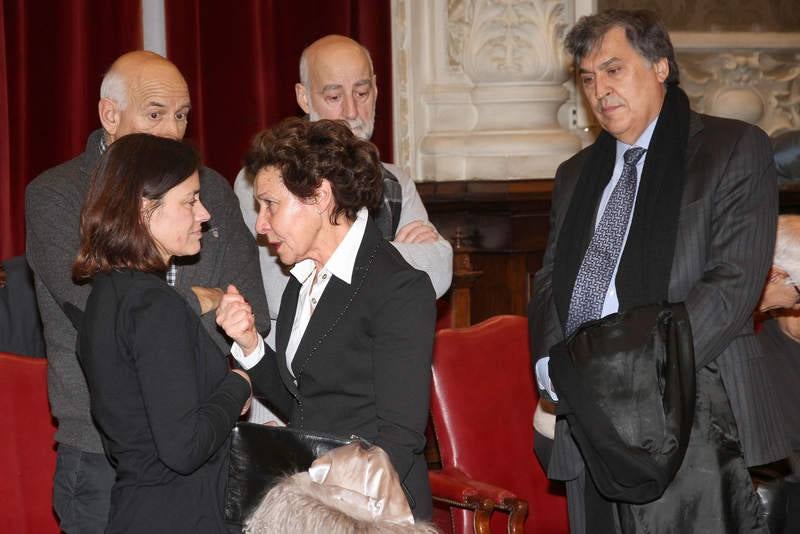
point(611, 301)
point(340, 265)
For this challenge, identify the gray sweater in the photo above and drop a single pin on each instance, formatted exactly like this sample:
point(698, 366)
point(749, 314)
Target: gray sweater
point(53, 202)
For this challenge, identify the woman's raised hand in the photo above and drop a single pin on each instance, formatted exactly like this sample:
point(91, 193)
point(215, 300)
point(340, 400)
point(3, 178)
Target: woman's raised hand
point(235, 317)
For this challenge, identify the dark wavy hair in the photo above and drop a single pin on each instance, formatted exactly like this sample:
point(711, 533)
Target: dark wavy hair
point(645, 32)
point(114, 232)
point(306, 152)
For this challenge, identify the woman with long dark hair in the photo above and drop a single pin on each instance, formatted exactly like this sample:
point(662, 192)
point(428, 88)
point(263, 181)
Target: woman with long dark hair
point(162, 393)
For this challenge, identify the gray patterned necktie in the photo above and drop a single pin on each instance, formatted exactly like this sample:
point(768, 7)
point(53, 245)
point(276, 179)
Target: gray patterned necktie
point(594, 276)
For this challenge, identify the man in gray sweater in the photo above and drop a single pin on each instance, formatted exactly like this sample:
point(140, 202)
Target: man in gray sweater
point(142, 92)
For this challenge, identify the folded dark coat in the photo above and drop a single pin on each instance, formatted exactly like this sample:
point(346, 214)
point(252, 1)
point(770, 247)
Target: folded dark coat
point(626, 385)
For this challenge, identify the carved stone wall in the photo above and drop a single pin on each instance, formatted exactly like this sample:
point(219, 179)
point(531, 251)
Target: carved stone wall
point(478, 88)
point(719, 15)
point(752, 77)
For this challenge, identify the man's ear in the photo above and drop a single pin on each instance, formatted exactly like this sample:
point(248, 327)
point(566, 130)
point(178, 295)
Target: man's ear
point(302, 96)
point(662, 69)
point(109, 116)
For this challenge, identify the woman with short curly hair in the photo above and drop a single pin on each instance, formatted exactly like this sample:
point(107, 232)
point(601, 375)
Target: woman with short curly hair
point(355, 328)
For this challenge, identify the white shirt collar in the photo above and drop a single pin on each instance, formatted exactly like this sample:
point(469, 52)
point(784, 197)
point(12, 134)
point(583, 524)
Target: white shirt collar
point(343, 259)
point(643, 141)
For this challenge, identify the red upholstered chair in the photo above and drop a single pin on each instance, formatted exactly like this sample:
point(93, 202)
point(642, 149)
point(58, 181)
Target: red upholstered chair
point(27, 449)
point(482, 406)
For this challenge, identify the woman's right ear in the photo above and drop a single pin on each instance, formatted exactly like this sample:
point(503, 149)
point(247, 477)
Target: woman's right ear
point(146, 210)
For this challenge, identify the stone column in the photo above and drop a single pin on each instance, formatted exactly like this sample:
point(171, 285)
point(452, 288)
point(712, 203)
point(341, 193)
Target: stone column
point(478, 88)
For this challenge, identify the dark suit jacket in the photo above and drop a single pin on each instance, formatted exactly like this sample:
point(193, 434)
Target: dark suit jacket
point(723, 251)
point(363, 365)
point(165, 401)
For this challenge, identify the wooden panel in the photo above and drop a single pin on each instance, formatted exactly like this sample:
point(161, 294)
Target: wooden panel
point(501, 228)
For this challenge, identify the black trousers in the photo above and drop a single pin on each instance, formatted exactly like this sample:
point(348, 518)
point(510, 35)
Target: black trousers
point(82, 490)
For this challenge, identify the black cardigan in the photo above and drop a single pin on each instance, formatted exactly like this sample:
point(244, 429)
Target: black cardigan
point(165, 401)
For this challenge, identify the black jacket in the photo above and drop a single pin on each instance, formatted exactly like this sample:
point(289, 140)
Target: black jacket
point(164, 400)
point(363, 366)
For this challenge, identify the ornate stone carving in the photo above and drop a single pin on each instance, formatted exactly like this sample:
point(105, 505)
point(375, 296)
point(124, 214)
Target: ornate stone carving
point(507, 40)
point(482, 82)
point(760, 87)
point(458, 23)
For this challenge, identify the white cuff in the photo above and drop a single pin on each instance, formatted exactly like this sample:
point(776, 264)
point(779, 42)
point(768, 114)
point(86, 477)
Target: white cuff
point(252, 359)
point(543, 377)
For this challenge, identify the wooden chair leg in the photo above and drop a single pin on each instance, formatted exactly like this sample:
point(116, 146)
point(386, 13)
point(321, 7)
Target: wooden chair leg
point(482, 516)
point(517, 516)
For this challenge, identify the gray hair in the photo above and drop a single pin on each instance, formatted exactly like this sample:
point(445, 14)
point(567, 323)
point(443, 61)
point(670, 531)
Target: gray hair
point(305, 76)
point(298, 504)
point(645, 32)
point(787, 246)
point(115, 88)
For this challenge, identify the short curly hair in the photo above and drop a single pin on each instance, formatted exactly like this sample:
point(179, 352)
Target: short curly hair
point(307, 152)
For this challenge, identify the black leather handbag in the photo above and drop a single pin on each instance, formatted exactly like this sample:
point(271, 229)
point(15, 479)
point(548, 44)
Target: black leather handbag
point(261, 455)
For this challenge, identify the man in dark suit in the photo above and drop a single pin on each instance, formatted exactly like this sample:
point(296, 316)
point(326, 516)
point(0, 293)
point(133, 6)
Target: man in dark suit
point(666, 205)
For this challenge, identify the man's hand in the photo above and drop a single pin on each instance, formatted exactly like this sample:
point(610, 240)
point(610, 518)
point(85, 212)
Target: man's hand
point(235, 316)
point(209, 298)
point(417, 232)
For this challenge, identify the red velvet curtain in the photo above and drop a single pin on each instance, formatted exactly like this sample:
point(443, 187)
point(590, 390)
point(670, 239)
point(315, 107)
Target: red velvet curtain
point(52, 57)
point(240, 59)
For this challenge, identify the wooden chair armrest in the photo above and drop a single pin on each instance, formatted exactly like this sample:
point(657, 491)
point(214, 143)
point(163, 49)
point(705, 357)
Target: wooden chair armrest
point(453, 487)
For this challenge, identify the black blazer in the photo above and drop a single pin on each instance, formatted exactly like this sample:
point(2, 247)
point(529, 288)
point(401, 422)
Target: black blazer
point(363, 365)
point(164, 400)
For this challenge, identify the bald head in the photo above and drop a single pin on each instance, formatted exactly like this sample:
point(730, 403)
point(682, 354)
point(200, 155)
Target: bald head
point(337, 82)
point(143, 92)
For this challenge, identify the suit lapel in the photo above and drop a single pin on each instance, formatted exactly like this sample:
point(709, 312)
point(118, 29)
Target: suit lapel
point(283, 329)
point(323, 321)
point(335, 301)
point(693, 188)
point(688, 261)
